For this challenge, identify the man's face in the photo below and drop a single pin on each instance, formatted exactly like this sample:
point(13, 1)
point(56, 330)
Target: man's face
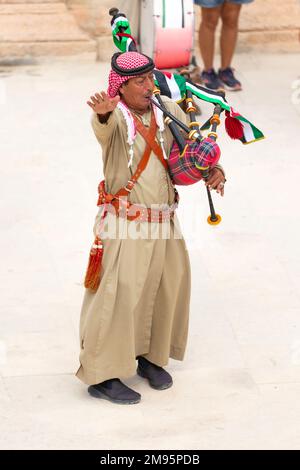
point(137, 92)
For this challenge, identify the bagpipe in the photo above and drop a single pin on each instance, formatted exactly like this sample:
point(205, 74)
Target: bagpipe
point(192, 155)
point(190, 160)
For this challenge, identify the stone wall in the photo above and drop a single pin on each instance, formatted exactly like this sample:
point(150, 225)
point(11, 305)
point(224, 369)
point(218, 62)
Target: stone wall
point(39, 28)
point(270, 25)
point(32, 28)
point(265, 25)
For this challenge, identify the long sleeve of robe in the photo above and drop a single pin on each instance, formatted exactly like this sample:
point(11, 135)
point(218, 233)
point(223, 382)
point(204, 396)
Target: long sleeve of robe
point(142, 304)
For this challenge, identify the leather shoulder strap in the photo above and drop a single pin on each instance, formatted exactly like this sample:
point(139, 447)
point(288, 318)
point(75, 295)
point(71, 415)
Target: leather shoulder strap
point(125, 191)
point(150, 138)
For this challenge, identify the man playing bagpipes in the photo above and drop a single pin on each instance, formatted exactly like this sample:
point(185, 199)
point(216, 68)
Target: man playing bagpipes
point(136, 303)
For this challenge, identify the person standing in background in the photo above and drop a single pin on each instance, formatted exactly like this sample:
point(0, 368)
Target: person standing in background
point(211, 12)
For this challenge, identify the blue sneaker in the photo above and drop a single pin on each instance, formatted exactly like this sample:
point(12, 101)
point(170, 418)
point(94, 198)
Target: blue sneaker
point(228, 79)
point(210, 79)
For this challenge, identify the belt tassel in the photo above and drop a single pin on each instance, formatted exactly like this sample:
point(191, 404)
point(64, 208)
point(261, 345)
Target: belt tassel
point(92, 277)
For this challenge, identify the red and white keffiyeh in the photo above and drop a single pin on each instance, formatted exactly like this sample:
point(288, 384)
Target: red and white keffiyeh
point(125, 66)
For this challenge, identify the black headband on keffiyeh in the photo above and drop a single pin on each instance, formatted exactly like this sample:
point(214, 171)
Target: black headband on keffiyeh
point(134, 63)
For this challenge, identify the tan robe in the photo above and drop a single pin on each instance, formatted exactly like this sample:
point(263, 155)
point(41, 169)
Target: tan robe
point(142, 304)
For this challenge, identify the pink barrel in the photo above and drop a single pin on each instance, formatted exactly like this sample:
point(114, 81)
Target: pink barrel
point(166, 32)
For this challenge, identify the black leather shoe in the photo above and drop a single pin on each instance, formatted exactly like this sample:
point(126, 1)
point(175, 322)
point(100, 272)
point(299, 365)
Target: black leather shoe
point(115, 391)
point(157, 377)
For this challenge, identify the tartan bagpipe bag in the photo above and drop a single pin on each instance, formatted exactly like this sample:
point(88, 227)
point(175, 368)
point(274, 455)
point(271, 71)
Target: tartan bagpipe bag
point(198, 156)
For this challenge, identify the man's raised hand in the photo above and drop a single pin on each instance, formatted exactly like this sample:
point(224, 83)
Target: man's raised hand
point(102, 104)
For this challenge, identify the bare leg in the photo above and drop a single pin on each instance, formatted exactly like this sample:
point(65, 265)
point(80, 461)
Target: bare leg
point(209, 21)
point(230, 16)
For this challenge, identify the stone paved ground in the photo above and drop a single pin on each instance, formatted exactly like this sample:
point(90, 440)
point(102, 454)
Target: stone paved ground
point(239, 385)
